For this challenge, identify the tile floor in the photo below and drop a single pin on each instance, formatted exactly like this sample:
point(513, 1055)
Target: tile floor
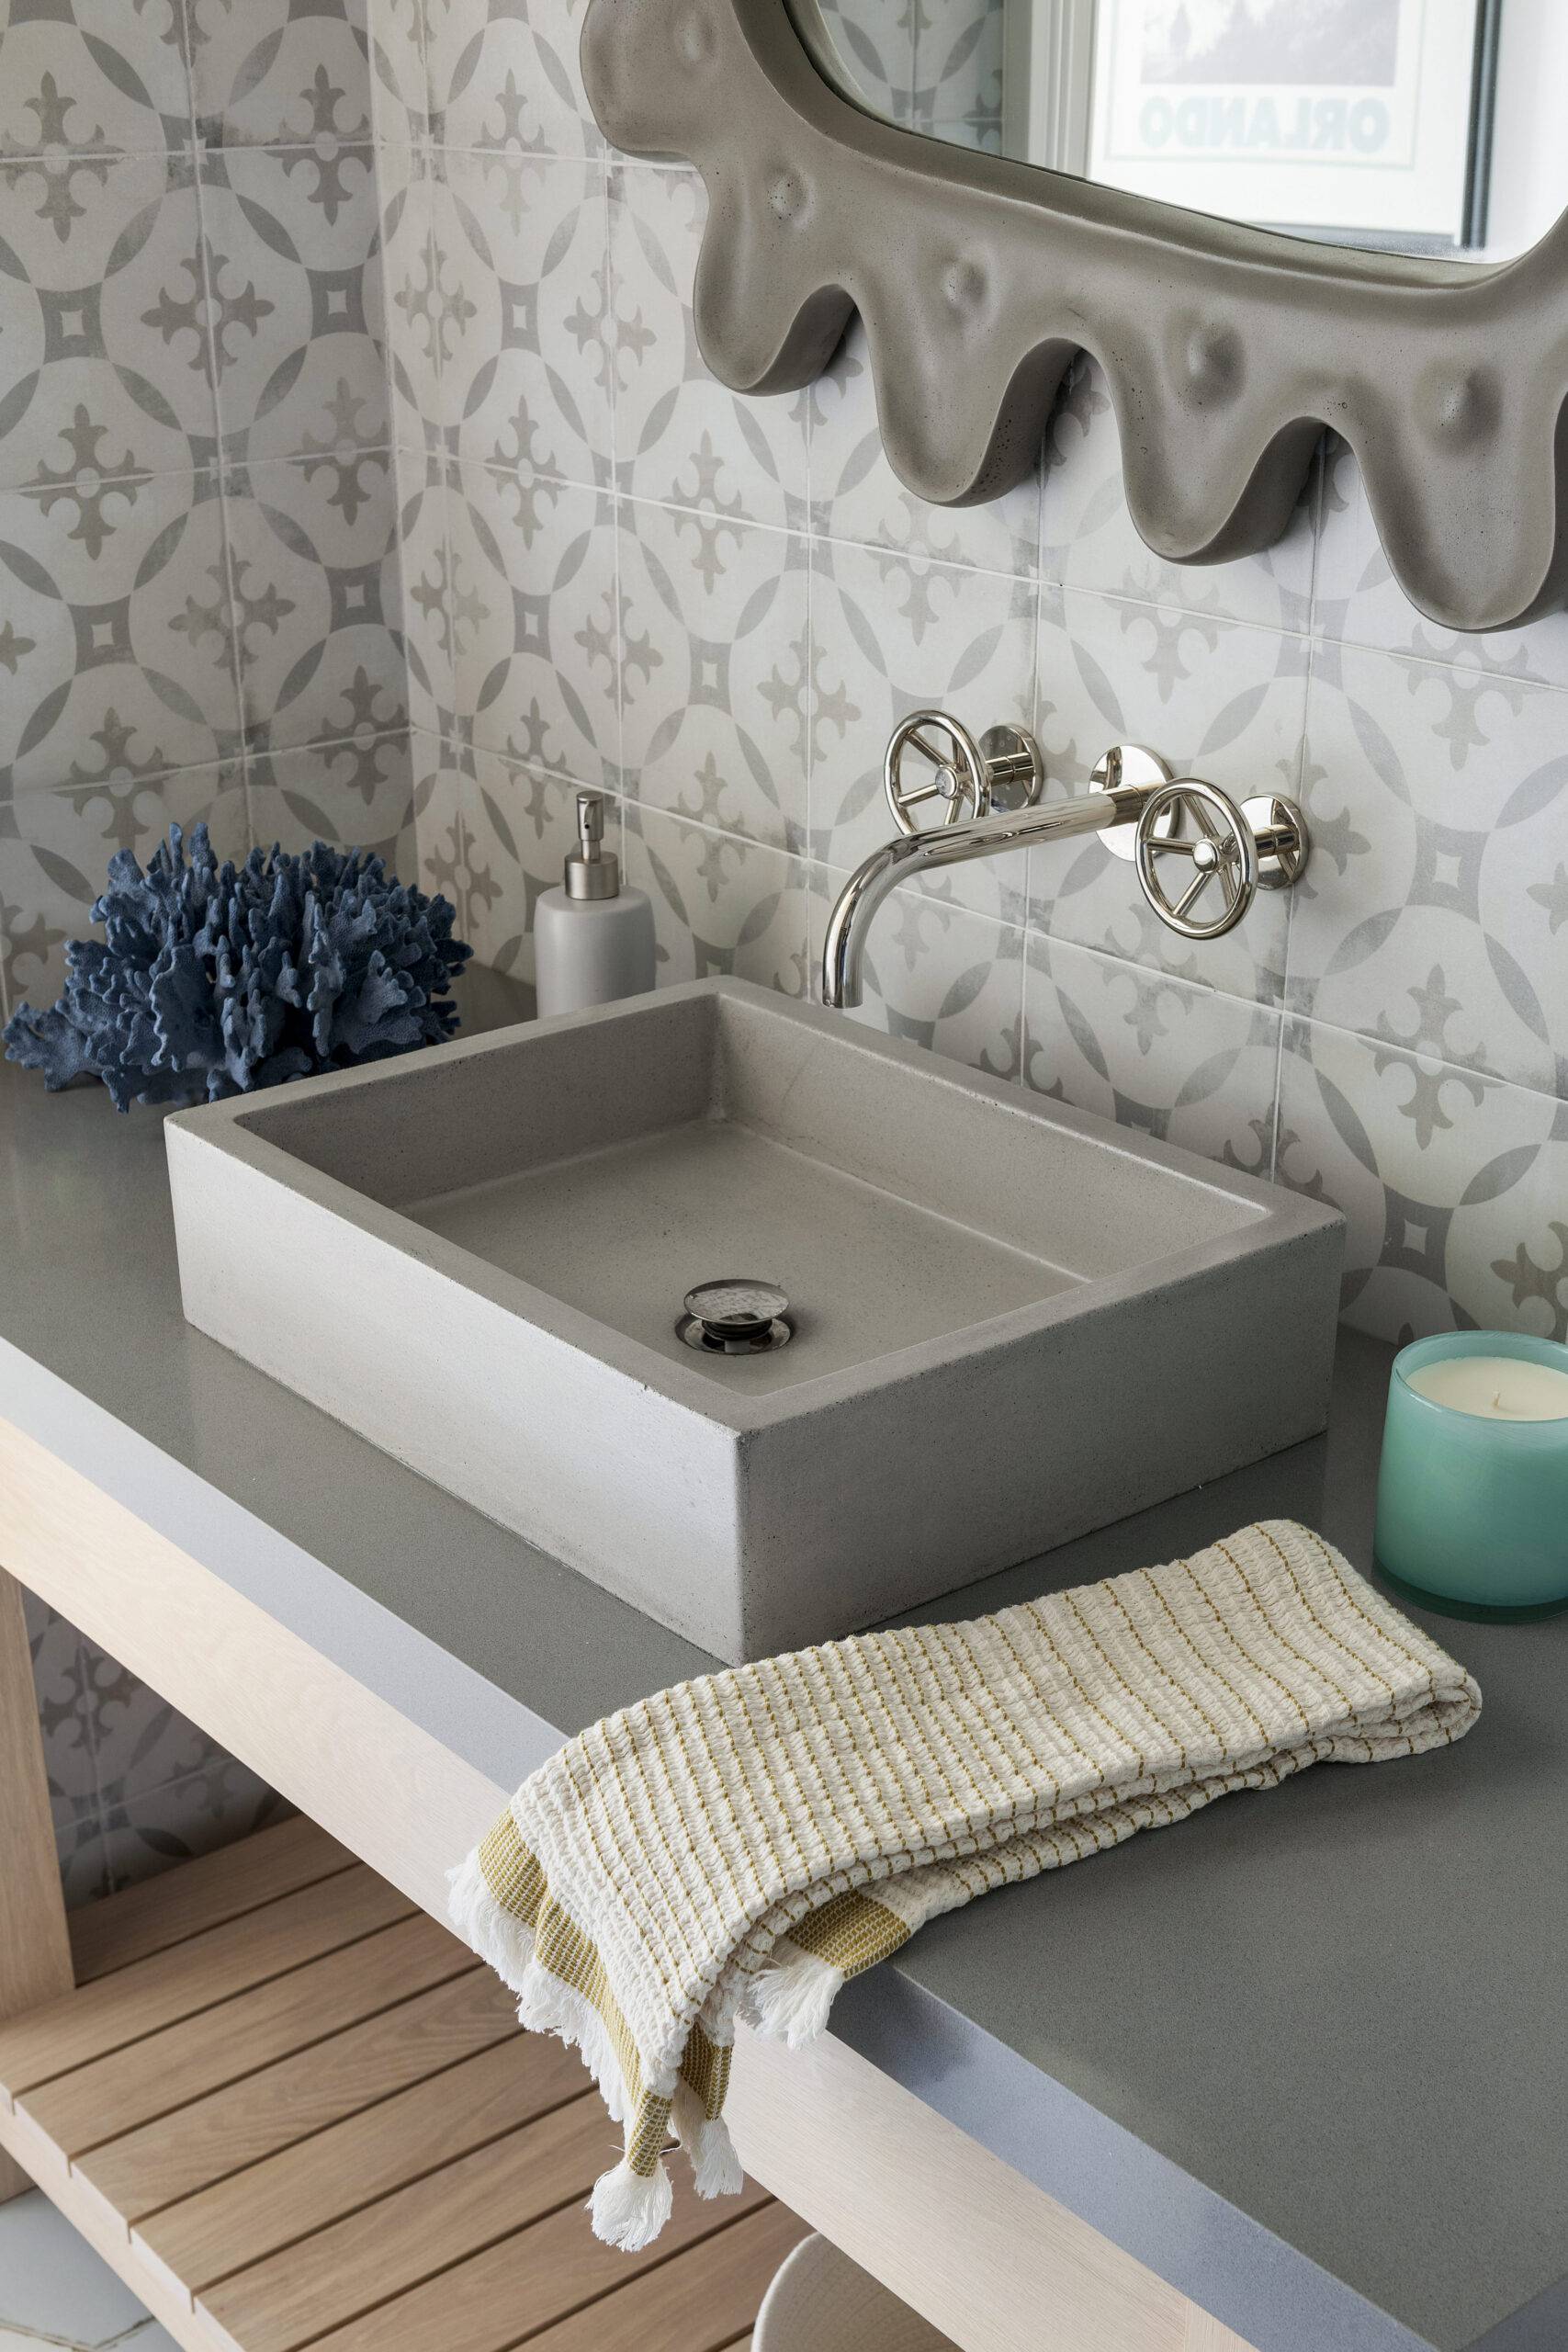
point(57, 2296)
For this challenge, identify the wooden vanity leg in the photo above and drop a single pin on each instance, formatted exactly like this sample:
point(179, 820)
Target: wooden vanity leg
point(35, 1949)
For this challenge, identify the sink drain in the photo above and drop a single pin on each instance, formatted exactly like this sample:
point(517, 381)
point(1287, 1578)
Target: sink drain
point(736, 1316)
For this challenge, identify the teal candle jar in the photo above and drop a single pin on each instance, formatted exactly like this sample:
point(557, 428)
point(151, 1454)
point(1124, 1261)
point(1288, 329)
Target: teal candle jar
point(1473, 1497)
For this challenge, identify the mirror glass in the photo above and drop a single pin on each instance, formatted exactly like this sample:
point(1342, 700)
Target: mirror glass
point(1408, 126)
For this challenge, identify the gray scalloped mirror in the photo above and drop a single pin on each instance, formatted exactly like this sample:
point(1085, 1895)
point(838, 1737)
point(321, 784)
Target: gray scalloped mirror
point(1398, 126)
point(838, 186)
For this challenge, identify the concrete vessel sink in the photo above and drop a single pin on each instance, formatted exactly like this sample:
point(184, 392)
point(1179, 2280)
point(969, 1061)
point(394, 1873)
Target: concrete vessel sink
point(1011, 1322)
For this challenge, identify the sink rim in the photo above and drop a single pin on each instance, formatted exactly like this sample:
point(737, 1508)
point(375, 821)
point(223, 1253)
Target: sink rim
point(236, 1126)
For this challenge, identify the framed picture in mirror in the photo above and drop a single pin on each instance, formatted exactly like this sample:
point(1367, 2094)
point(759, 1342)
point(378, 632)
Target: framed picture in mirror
point(1366, 120)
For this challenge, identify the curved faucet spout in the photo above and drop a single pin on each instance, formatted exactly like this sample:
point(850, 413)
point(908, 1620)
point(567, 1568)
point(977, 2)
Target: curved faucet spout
point(911, 853)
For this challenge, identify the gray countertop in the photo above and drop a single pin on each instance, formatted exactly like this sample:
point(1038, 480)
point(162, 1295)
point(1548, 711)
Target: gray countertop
point(1305, 2054)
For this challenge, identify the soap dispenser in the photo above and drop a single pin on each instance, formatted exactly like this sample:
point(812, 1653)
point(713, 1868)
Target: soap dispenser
point(593, 941)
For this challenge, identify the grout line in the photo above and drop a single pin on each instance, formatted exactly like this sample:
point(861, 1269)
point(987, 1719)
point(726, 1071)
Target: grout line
point(210, 335)
point(613, 391)
point(133, 477)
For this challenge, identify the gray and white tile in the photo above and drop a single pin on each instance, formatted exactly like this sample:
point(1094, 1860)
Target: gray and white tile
point(720, 904)
point(1090, 540)
point(1183, 1064)
point(856, 495)
point(316, 587)
point(891, 633)
point(713, 669)
point(1452, 1184)
point(535, 622)
point(680, 437)
point(507, 80)
point(1432, 915)
point(526, 371)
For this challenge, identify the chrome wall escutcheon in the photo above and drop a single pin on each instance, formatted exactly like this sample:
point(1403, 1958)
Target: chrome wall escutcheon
point(1129, 763)
point(999, 775)
point(1283, 842)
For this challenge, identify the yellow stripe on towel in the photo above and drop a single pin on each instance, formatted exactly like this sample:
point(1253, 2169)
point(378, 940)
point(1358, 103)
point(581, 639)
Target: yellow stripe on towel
point(739, 1846)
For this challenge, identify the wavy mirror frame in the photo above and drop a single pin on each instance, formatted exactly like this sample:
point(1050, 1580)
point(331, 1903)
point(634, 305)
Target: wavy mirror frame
point(1227, 349)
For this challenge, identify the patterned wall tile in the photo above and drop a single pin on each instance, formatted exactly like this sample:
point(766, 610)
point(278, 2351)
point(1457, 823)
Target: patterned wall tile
point(115, 634)
point(442, 781)
point(72, 81)
point(937, 974)
point(412, 304)
point(400, 79)
point(679, 437)
point(358, 794)
point(713, 667)
point(505, 77)
point(1453, 1184)
point(1088, 539)
point(426, 601)
point(316, 598)
point(1184, 1064)
point(855, 494)
point(60, 1679)
point(292, 262)
point(186, 1817)
point(54, 852)
point(518, 826)
point(140, 1742)
point(108, 371)
point(1435, 913)
point(890, 633)
point(719, 904)
point(526, 371)
point(281, 75)
point(536, 664)
point(1214, 699)
point(1358, 598)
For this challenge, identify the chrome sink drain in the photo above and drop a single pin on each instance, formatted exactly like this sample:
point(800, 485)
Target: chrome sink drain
point(736, 1316)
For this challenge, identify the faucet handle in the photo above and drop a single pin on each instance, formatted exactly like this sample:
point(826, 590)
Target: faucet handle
point(1001, 772)
point(1195, 834)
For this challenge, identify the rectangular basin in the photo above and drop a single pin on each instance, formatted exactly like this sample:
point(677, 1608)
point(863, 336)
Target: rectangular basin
point(1012, 1321)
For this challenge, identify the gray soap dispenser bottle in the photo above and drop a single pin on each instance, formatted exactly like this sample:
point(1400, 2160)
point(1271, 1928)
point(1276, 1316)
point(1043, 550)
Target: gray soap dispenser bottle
point(593, 941)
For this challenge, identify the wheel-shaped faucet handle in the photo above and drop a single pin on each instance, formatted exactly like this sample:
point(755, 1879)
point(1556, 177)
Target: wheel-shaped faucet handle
point(931, 758)
point(1196, 859)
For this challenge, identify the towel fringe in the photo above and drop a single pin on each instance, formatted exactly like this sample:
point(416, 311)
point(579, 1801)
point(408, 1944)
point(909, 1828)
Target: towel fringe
point(791, 2001)
point(547, 2005)
point(496, 1935)
point(716, 2167)
point(629, 2209)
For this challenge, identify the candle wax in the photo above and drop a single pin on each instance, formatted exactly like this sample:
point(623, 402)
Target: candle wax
point(1497, 1388)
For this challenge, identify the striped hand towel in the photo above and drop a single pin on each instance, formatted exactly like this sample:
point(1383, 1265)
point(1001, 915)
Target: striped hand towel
point(738, 1847)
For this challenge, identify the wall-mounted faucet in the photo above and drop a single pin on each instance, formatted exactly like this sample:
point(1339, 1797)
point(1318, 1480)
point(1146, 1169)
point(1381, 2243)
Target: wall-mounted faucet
point(1191, 842)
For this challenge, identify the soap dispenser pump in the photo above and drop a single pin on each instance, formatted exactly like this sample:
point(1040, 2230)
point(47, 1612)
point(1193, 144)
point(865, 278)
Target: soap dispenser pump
point(593, 941)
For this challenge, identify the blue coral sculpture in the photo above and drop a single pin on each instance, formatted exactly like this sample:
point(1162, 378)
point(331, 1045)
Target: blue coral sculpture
point(215, 979)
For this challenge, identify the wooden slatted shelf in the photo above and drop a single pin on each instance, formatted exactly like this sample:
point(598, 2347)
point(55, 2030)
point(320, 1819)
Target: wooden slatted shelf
point(289, 2108)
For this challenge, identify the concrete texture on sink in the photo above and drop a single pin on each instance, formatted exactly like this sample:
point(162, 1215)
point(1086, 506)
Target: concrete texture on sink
point(1013, 1322)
